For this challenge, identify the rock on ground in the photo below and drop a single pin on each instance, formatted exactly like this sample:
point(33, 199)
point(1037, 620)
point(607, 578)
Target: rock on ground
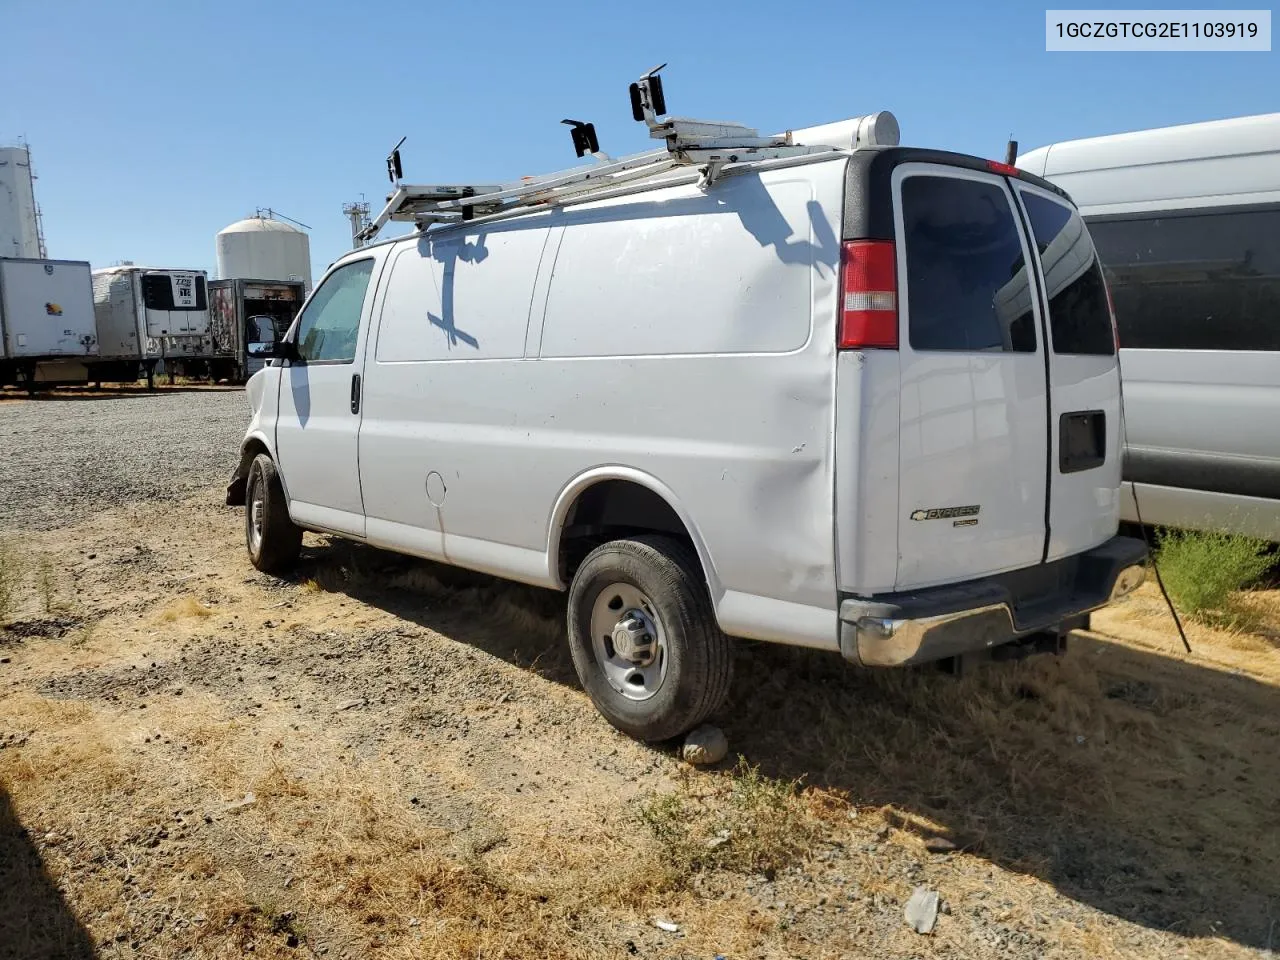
point(921, 912)
point(706, 744)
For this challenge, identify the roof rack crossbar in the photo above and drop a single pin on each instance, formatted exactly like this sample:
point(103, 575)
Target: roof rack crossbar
point(707, 144)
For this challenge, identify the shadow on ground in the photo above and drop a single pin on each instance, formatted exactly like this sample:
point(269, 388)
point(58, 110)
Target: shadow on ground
point(35, 921)
point(1145, 786)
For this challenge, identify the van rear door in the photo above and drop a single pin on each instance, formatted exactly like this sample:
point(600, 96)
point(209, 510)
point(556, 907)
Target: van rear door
point(974, 412)
point(1084, 377)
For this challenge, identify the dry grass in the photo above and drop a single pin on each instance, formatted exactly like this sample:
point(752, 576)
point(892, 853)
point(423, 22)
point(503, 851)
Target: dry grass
point(1251, 645)
point(746, 822)
point(1106, 762)
point(11, 570)
point(1103, 798)
point(364, 863)
point(184, 609)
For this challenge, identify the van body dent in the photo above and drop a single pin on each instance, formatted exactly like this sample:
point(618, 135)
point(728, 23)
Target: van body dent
point(1187, 223)
point(835, 401)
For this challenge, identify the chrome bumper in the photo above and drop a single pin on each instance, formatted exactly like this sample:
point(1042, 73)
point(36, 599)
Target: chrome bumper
point(922, 626)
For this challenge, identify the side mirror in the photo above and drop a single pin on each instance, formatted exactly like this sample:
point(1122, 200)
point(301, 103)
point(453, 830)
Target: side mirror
point(279, 350)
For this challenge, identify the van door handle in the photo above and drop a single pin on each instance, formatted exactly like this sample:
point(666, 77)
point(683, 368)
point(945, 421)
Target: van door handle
point(355, 393)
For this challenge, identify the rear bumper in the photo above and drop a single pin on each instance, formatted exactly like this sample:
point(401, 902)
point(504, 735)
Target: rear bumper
point(918, 626)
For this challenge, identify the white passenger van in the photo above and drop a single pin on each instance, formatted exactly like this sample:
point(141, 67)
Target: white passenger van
point(1187, 222)
point(829, 398)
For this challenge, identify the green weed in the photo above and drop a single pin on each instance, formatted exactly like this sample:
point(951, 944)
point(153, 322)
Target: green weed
point(749, 824)
point(1203, 572)
point(47, 582)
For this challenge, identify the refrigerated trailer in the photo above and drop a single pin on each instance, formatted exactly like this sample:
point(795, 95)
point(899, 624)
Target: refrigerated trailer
point(242, 312)
point(146, 316)
point(46, 319)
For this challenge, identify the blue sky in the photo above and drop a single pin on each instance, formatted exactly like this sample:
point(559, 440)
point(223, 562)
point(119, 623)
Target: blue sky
point(154, 124)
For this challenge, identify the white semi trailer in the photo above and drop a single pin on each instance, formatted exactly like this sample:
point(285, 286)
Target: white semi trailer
point(148, 315)
point(46, 320)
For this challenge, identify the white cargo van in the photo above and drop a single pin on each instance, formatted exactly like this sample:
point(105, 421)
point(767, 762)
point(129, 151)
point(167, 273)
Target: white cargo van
point(831, 399)
point(1187, 223)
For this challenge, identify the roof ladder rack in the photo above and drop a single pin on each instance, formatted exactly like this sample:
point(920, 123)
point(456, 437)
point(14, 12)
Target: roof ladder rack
point(705, 143)
point(709, 145)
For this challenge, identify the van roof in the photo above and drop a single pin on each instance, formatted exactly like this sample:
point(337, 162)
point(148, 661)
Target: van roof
point(876, 163)
point(1188, 141)
point(1202, 165)
point(868, 212)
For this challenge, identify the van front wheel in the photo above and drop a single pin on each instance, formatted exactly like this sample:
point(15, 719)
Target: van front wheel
point(644, 638)
point(273, 541)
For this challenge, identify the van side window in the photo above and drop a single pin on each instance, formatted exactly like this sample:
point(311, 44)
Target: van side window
point(1194, 280)
point(1079, 319)
point(330, 324)
point(967, 282)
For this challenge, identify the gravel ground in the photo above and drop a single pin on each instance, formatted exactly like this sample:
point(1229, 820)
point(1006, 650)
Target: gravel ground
point(66, 458)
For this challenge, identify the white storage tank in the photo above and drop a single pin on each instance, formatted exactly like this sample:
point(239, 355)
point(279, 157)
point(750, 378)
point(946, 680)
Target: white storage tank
point(262, 248)
point(19, 225)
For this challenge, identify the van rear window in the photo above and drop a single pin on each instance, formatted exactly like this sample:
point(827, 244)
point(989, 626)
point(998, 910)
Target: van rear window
point(967, 286)
point(1079, 320)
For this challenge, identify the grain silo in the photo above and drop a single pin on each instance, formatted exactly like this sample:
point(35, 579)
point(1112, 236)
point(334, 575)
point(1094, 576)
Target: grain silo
point(264, 248)
point(19, 216)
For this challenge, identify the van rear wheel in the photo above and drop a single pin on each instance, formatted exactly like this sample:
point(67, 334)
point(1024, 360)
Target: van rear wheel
point(644, 638)
point(273, 541)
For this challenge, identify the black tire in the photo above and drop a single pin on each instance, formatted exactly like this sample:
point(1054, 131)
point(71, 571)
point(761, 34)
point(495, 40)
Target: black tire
point(698, 658)
point(275, 549)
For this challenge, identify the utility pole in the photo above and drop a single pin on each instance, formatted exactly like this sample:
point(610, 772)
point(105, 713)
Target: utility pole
point(358, 213)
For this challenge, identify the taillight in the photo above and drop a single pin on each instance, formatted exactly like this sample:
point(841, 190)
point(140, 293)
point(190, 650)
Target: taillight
point(1008, 169)
point(869, 307)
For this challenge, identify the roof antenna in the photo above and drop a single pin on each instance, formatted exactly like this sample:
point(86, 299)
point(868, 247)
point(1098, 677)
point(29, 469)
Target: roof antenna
point(1011, 151)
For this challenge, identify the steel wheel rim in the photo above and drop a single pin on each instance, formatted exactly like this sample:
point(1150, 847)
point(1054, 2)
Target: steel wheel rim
point(634, 669)
point(257, 507)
